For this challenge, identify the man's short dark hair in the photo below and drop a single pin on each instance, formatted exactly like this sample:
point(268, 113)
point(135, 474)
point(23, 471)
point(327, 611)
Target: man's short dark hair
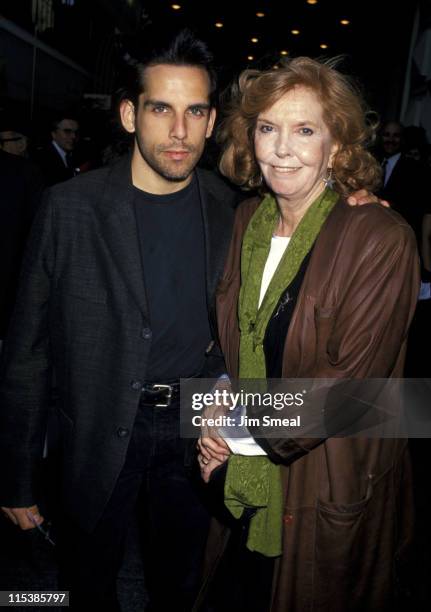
point(59, 117)
point(183, 49)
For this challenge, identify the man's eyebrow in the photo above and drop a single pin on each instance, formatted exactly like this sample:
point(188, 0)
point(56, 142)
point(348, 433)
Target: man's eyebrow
point(202, 105)
point(148, 103)
point(152, 103)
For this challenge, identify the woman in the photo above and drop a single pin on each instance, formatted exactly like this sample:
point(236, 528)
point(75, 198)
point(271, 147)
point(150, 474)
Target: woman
point(316, 289)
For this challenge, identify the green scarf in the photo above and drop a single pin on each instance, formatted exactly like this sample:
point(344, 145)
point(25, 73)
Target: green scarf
point(256, 481)
point(253, 321)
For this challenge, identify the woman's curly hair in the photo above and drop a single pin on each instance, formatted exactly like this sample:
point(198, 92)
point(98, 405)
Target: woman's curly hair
point(344, 113)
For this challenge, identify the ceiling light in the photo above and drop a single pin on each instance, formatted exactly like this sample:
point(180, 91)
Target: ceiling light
point(311, 1)
point(284, 52)
point(344, 22)
point(250, 57)
point(295, 32)
point(254, 40)
point(176, 7)
point(260, 14)
point(218, 24)
point(323, 46)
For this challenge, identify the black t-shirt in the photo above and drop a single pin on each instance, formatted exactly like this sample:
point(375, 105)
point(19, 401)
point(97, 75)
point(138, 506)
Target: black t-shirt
point(173, 258)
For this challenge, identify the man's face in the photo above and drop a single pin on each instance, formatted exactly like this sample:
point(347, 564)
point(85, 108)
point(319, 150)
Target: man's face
point(66, 134)
point(171, 123)
point(391, 138)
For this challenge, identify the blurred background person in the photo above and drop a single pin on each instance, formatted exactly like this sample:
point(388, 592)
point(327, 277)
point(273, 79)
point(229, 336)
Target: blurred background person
point(416, 144)
point(404, 183)
point(13, 137)
point(57, 159)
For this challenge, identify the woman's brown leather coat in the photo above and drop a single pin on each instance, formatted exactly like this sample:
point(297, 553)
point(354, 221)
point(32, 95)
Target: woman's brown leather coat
point(348, 510)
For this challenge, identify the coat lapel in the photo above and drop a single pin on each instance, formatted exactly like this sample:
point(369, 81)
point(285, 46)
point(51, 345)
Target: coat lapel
point(120, 230)
point(217, 220)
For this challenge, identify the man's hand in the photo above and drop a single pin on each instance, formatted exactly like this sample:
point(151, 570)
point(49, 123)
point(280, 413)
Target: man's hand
point(26, 518)
point(357, 198)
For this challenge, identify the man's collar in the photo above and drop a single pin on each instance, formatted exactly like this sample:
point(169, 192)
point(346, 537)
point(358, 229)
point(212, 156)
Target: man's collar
point(394, 158)
point(60, 151)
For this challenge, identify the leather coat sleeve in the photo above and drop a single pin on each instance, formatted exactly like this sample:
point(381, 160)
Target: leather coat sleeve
point(372, 318)
point(362, 336)
point(25, 375)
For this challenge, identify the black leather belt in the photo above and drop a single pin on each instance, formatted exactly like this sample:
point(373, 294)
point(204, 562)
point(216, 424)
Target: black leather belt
point(160, 395)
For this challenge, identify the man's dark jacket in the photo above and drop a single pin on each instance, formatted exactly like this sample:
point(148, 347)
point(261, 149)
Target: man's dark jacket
point(82, 307)
point(52, 166)
point(21, 187)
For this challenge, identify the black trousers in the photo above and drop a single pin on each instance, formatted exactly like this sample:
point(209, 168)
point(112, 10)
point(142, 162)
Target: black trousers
point(173, 521)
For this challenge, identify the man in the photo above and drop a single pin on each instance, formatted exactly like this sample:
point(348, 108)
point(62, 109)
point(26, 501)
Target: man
point(56, 160)
point(117, 293)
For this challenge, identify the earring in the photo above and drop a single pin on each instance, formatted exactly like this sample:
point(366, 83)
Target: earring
point(329, 180)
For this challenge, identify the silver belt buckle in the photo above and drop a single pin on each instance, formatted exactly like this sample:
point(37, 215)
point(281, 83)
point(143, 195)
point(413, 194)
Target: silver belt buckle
point(168, 396)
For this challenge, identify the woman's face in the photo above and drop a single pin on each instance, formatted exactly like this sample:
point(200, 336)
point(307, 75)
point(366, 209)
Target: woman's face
point(293, 146)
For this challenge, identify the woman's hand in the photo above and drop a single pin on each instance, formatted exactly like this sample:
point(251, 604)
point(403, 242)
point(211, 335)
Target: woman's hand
point(210, 445)
point(213, 447)
point(207, 466)
point(213, 450)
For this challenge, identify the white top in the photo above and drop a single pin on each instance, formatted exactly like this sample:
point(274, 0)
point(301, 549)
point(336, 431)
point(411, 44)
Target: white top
point(238, 437)
point(278, 246)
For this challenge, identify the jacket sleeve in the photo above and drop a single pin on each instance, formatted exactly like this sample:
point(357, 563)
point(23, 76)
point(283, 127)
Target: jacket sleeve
point(371, 321)
point(214, 361)
point(25, 372)
point(363, 336)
